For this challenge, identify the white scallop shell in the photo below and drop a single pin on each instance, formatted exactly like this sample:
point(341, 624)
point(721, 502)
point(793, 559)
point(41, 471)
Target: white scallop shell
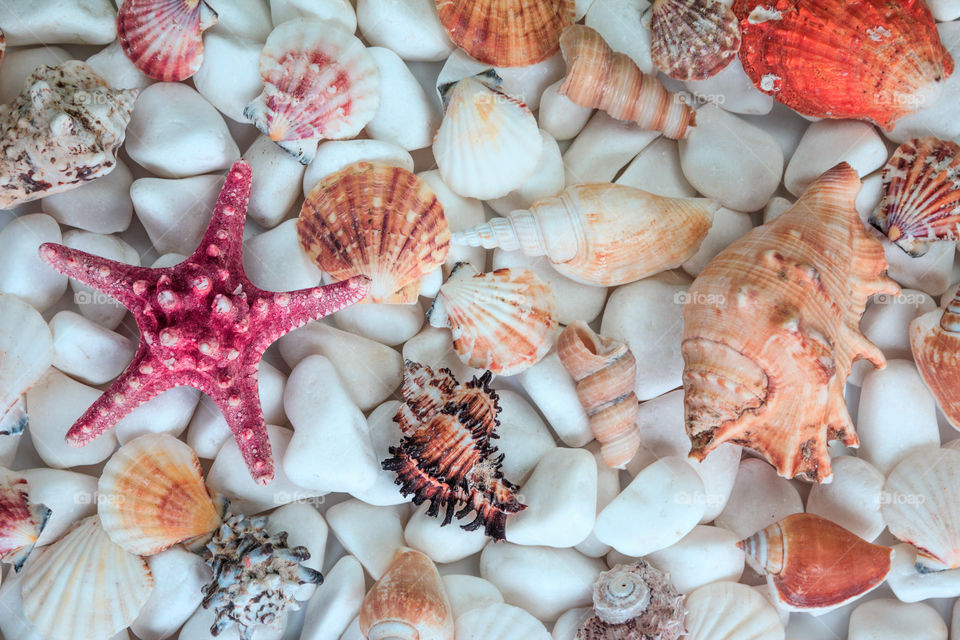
point(500, 622)
point(26, 349)
point(731, 611)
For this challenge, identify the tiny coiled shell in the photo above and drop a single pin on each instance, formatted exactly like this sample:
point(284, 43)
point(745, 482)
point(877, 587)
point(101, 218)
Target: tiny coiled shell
point(634, 601)
point(26, 349)
point(21, 520)
point(164, 38)
point(935, 342)
point(693, 39)
point(731, 611)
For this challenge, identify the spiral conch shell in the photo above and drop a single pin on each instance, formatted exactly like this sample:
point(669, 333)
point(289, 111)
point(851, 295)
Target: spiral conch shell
point(935, 342)
point(772, 329)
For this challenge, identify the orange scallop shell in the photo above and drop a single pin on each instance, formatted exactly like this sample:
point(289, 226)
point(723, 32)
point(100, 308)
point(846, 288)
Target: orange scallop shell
point(163, 38)
point(693, 39)
point(935, 342)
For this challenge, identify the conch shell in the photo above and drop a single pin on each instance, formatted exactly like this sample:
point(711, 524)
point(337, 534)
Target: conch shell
point(601, 234)
point(164, 38)
point(935, 342)
point(772, 329)
point(693, 39)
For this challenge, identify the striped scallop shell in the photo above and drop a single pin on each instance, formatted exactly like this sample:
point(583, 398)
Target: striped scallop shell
point(152, 495)
point(320, 82)
point(935, 344)
point(26, 349)
point(499, 621)
point(504, 321)
point(731, 611)
point(921, 195)
point(507, 33)
point(84, 587)
point(21, 521)
point(693, 39)
point(164, 38)
point(379, 221)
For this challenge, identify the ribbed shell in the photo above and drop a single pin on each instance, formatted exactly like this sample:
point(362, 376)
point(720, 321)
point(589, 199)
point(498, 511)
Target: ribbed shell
point(921, 195)
point(379, 221)
point(499, 622)
point(153, 496)
point(874, 60)
point(772, 329)
point(84, 587)
point(504, 321)
point(26, 349)
point(320, 82)
point(164, 38)
point(935, 342)
point(3, 45)
point(506, 33)
point(21, 521)
point(598, 78)
point(693, 39)
point(731, 611)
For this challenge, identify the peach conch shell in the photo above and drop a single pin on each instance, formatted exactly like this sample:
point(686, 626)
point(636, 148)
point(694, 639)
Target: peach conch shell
point(935, 342)
point(408, 602)
point(64, 129)
point(164, 38)
point(812, 564)
point(598, 78)
point(601, 234)
point(772, 331)
point(875, 60)
point(605, 372)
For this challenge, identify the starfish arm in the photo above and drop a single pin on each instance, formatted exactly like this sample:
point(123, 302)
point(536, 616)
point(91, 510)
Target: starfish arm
point(304, 305)
point(109, 276)
point(223, 239)
point(240, 405)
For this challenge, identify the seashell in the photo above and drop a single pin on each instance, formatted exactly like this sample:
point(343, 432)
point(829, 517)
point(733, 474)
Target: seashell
point(601, 234)
point(21, 521)
point(152, 495)
point(731, 611)
point(772, 329)
point(164, 38)
point(499, 621)
point(379, 221)
point(26, 350)
point(446, 455)
point(812, 564)
point(598, 78)
point(507, 33)
point(919, 506)
point(84, 587)
point(634, 601)
point(3, 45)
point(488, 143)
point(873, 60)
point(408, 602)
point(63, 130)
point(921, 195)
point(693, 39)
point(503, 321)
point(605, 372)
point(320, 83)
point(935, 342)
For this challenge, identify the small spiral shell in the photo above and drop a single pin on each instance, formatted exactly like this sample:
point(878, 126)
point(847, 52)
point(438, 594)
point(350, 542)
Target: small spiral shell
point(634, 601)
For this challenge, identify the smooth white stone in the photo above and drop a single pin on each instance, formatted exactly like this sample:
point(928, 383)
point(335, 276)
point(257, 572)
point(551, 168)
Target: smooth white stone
point(87, 351)
point(101, 206)
point(718, 471)
point(886, 323)
point(198, 628)
point(93, 304)
point(70, 496)
point(560, 116)
point(406, 117)
point(430, 283)
point(113, 65)
point(829, 142)
point(944, 10)
point(353, 631)
point(567, 625)
point(732, 90)
point(170, 412)
point(469, 592)
point(759, 498)
point(372, 534)
point(443, 543)
point(888, 619)
point(561, 499)
point(727, 226)
point(705, 555)
point(730, 160)
point(554, 392)
point(57, 22)
point(175, 212)
point(334, 155)
point(656, 169)
point(55, 402)
point(547, 180)
point(524, 438)
point(22, 271)
point(16, 421)
point(369, 370)
point(276, 184)
point(339, 11)
point(500, 622)
point(909, 585)
point(305, 527)
point(389, 324)
point(461, 213)
point(411, 28)
point(852, 500)
point(662, 431)
point(20, 63)
point(384, 433)
point(544, 581)
point(774, 208)
point(242, 18)
point(175, 133)
point(619, 22)
point(528, 83)
point(295, 271)
point(931, 273)
point(871, 192)
point(229, 77)
point(178, 576)
point(431, 347)
point(603, 147)
point(608, 488)
point(897, 415)
point(335, 602)
point(14, 624)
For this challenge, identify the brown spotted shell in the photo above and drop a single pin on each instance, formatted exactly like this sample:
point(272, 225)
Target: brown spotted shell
point(693, 39)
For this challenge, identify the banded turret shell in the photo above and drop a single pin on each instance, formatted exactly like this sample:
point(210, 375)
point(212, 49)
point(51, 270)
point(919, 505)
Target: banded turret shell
point(21, 520)
point(164, 38)
point(935, 342)
point(693, 39)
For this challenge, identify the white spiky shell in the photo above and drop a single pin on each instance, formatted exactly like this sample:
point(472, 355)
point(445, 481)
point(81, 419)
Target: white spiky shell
point(26, 349)
point(731, 611)
point(85, 587)
point(500, 622)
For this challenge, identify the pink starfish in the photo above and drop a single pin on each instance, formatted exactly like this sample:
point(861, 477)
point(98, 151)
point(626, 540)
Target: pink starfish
point(202, 324)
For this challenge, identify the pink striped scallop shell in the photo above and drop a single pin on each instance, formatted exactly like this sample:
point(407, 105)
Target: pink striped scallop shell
point(164, 38)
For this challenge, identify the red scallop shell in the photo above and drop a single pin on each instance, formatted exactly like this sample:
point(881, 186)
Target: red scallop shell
point(163, 38)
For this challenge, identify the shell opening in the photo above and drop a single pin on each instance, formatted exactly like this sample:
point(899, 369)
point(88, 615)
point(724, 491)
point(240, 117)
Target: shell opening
point(393, 630)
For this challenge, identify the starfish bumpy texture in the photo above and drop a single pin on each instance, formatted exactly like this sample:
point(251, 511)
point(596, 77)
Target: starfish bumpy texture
point(202, 324)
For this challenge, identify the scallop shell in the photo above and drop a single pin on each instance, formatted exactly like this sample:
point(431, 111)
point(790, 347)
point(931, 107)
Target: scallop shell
point(320, 82)
point(153, 496)
point(379, 221)
point(26, 349)
point(731, 611)
point(164, 38)
point(872, 60)
point(693, 39)
point(21, 521)
point(499, 621)
point(772, 330)
point(84, 587)
point(503, 321)
point(921, 195)
point(507, 33)
point(634, 601)
point(935, 342)
point(812, 564)
point(598, 78)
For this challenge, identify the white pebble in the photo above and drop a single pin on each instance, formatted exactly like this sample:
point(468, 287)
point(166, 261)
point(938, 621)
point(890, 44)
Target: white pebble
point(406, 116)
point(175, 212)
point(101, 206)
point(276, 184)
point(567, 625)
point(340, 11)
point(461, 213)
point(384, 433)
point(656, 169)
point(931, 273)
point(886, 321)
point(871, 192)
point(93, 304)
point(889, 619)
point(113, 65)
point(732, 90)
point(547, 180)
point(662, 431)
point(469, 592)
point(775, 207)
point(727, 226)
point(242, 18)
point(759, 498)
point(524, 439)
point(22, 271)
point(852, 499)
point(69, 495)
point(718, 471)
point(334, 155)
point(352, 631)
point(229, 77)
point(305, 527)
point(619, 22)
point(335, 602)
point(705, 555)
point(944, 10)
point(603, 147)
point(829, 142)
point(560, 116)
point(909, 585)
point(389, 324)
point(528, 83)
point(169, 412)
point(411, 28)
point(431, 347)
point(88, 351)
point(14, 624)
point(20, 63)
point(56, 22)
point(608, 488)
point(443, 543)
point(178, 576)
point(372, 534)
point(297, 271)
point(554, 392)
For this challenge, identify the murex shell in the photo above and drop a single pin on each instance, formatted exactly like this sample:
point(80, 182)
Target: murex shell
point(935, 342)
point(26, 350)
point(379, 221)
point(164, 38)
point(634, 601)
point(21, 520)
point(772, 330)
point(693, 39)
point(731, 611)
point(874, 60)
point(63, 129)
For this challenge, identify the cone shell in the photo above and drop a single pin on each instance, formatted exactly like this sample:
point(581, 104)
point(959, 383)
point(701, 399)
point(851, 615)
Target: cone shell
point(921, 195)
point(164, 38)
point(506, 33)
point(379, 221)
point(504, 321)
point(26, 349)
point(84, 587)
point(605, 372)
point(772, 329)
point(935, 342)
point(693, 39)
point(153, 495)
point(21, 521)
point(731, 611)
point(408, 601)
point(598, 78)
point(874, 60)
point(320, 82)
